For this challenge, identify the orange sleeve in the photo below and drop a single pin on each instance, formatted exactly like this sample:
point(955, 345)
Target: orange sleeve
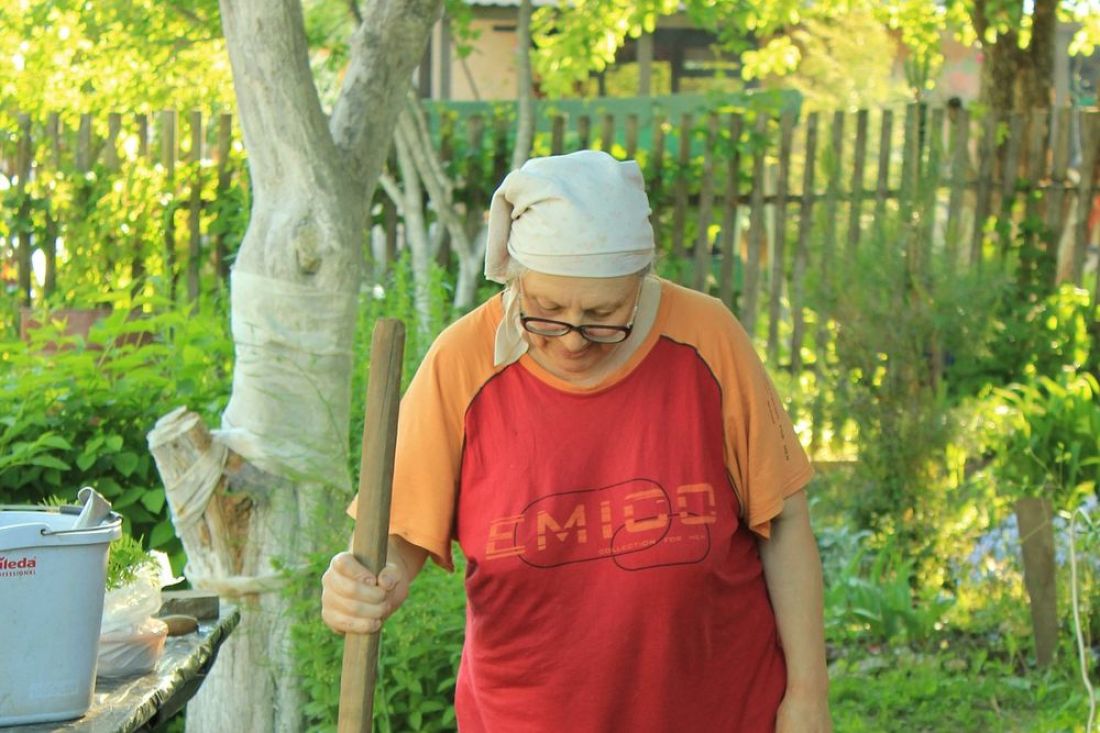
point(765, 461)
point(430, 431)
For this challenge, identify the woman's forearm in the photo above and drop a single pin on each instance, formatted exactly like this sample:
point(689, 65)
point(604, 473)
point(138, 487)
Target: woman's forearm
point(792, 569)
point(410, 557)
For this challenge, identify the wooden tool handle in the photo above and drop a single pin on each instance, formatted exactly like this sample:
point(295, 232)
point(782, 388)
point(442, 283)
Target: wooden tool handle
point(372, 517)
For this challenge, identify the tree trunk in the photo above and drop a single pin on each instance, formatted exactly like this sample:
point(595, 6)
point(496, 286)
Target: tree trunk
point(294, 295)
point(1014, 78)
point(525, 98)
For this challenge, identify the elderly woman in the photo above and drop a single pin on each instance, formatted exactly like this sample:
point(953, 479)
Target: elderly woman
point(614, 463)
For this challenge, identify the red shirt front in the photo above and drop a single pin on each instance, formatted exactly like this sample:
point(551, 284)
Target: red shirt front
point(610, 583)
point(613, 577)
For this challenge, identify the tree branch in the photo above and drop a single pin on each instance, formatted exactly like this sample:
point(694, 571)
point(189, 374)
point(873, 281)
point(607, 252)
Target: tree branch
point(353, 6)
point(384, 51)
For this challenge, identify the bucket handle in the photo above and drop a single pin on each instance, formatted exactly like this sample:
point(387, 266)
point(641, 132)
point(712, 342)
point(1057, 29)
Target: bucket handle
point(115, 518)
point(87, 530)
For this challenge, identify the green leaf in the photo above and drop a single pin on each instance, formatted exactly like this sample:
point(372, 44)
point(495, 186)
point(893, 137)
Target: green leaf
point(47, 461)
point(126, 462)
point(153, 500)
point(85, 461)
point(129, 497)
point(162, 534)
point(52, 440)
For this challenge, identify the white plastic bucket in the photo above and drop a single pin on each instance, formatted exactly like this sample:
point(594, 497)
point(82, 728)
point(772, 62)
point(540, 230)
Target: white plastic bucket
point(52, 581)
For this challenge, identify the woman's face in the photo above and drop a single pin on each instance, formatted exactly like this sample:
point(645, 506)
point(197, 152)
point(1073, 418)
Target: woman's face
point(578, 301)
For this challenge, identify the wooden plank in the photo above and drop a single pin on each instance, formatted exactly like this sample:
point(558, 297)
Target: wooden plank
point(502, 154)
point(631, 135)
point(49, 245)
point(680, 191)
point(110, 145)
point(801, 252)
point(960, 173)
point(84, 157)
point(142, 123)
point(1086, 190)
point(931, 181)
point(194, 208)
point(557, 134)
point(24, 161)
point(584, 132)
point(706, 202)
point(982, 205)
point(657, 172)
point(53, 134)
point(446, 138)
point(756, 226)
point(607, 137)
point(168, 161)
point(730, 213)
point(779, 254)
point(855, 210)
point(225, 144)
point(910, 162)
point(832, 198)
point(476, 192)
point(1058, 179)
point(882, 184)
point(1038, 126)
point(1010, 165)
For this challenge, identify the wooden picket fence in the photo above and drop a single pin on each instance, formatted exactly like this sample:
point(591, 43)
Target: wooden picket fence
point(747, 202)
point(48, 149)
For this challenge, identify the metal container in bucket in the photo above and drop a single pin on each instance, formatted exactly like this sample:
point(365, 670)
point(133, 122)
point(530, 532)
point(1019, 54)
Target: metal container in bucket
point(52, 578)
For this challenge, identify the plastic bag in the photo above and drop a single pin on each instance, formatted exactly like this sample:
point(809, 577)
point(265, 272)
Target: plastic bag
point(131, 641)
point(135, 650)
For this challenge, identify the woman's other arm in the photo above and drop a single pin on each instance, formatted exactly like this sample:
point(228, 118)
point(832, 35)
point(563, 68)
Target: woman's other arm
point(792, 570)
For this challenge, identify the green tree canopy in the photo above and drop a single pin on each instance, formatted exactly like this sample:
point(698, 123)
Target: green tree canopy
point(75, 56)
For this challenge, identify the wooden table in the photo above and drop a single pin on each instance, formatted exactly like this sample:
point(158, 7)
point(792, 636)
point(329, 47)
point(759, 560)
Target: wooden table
point(144, 703)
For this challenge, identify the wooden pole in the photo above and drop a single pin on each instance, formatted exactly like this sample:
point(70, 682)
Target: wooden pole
point(372, 517)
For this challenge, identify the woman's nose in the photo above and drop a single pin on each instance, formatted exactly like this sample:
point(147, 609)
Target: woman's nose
point(573, 341)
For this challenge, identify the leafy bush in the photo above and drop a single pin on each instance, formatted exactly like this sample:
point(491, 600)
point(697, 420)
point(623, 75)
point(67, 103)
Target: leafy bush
point(75, 412)
point(1044, 437)
point(1033, 336)
point(871, 598)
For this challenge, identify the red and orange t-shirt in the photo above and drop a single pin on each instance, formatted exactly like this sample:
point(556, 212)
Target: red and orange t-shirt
point(613, 578)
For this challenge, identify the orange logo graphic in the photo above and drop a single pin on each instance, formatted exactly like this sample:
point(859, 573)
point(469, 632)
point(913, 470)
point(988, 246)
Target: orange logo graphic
point(637, 524)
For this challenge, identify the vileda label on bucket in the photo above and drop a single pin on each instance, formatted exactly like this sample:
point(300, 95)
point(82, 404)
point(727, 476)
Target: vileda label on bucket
point(16, 566)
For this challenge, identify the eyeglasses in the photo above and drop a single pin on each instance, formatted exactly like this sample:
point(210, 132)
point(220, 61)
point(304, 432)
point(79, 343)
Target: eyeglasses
point(598, 333)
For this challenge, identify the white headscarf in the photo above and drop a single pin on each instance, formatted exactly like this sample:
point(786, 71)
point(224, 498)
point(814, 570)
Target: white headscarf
point(584, 214)
point(579, 215)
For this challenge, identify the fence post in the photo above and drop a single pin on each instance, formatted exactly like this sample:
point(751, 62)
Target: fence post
point(168, 161)
point(1009, 171)
point(805, 219)
point(985, 189)
point(656, 189)
point(882, 181)
point(49, 247)
point(960, 175)
point(729, 246)
point(855, 209)
point(779, 251)
point(631, 135)
point(1086, 189)
point(706, 200)
point(680, 197)
point(24, 162)
point(194, 207)
point(756, 226)
point(225, 143)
